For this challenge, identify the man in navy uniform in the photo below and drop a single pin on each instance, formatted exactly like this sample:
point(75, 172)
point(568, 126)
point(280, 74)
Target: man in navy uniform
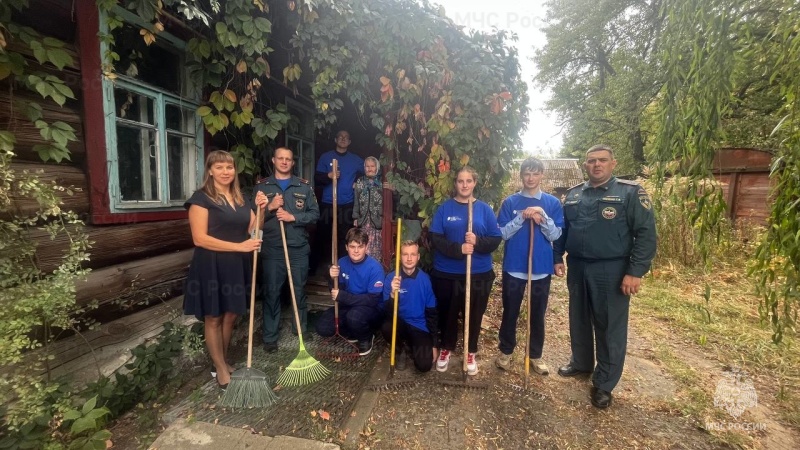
point(291, 201)
point(610, 240)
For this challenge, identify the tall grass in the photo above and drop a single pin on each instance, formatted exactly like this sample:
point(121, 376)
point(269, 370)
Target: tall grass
point(678, 236)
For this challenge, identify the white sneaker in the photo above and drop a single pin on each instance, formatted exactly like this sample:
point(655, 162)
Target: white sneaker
point(539, 366)
point(443, 361)
point(472, 364)
point(503, 362)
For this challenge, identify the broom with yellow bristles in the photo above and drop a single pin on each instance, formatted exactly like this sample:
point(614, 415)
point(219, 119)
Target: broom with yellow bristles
point(304, 369)
point(249, 388)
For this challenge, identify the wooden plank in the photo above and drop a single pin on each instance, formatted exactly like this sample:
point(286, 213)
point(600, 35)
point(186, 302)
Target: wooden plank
point(63, 175)
point(733, 193)
point(105, 285)
point(85, 356)
point(117, 244)
point(741, 159)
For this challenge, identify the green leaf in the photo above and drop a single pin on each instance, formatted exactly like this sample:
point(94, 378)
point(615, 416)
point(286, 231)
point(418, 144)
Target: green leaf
point(59, 58)
point(42, 88)
point(82, 424)
point(203, 111)
point(72, 414)
point(97, 413)
point(33, 111)
point(52, 42)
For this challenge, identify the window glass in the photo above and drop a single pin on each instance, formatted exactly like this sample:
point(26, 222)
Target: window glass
point(137, 163)
point(131, 106)
point(154, 64)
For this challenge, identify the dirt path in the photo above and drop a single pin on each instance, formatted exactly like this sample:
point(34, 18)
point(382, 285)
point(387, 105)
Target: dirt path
point(654, 405)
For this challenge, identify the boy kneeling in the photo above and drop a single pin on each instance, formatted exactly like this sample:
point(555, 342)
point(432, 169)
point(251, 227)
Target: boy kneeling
point(359, 294)
point(417, 317)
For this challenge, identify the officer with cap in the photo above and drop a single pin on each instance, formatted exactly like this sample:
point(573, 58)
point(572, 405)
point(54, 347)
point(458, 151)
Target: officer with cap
point(291, 201)
point(610, 240)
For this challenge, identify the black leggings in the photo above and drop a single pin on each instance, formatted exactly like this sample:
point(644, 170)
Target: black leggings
point(450, 298)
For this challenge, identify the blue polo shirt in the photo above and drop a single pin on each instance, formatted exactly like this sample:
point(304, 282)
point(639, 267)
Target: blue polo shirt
point(351, 166)
point(361, 283)
point(451, 220)
point(416, 294)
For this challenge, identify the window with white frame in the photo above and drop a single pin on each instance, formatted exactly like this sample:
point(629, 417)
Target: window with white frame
point(153, 133)
point(300, 139)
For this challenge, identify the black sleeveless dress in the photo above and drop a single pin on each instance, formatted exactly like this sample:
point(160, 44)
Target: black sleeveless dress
point(219, 282)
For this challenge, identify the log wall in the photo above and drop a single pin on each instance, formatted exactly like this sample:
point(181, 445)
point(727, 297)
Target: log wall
point(117, 244)
point(105, 285)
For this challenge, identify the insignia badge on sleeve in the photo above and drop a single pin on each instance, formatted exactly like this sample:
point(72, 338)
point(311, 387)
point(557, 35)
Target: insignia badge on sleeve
point(645, 201)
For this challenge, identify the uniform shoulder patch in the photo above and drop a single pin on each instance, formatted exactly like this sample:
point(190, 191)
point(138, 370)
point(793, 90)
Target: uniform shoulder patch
point(262, 180)
point(577, 185)
point(303, 180)
point(628, 182)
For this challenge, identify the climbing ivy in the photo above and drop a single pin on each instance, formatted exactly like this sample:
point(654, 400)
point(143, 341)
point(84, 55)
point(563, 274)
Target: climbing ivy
point(437, 97)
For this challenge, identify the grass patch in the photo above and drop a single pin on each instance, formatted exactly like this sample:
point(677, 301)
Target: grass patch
point(724, 326)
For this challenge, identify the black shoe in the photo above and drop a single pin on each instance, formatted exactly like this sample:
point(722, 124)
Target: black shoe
point(570, 371)
point(306, 335)
point(601, 399)
point(271, 347)
point(400, 361)
point(364, 347)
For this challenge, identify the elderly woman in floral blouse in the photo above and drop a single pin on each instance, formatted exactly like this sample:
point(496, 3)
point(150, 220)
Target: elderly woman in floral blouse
point(368, 205)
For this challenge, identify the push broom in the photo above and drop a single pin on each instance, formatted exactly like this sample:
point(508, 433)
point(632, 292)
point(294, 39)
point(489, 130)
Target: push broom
point(337, 346)
point(468, 287)
point(249, 387)
point(304, 369)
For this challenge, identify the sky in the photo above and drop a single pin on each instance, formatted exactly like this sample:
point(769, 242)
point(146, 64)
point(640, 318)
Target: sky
point(526, 19)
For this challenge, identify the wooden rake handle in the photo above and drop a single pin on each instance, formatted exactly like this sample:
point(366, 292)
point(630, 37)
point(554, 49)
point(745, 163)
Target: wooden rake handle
point(467, 288)
point(335, 237)
point(396, 294)
point(528, 291)
point(291, 283)
point(259, 219)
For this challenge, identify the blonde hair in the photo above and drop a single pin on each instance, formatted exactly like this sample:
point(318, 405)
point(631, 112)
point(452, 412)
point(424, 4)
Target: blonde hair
point(221, 156)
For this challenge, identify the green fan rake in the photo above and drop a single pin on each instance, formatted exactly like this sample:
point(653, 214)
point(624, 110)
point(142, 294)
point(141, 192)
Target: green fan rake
point(304, 369)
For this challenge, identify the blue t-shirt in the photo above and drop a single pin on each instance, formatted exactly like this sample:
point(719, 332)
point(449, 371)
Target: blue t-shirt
point(416, 294)
point(351, 166)
point(515, 258)
point(451, 220)
point(358, 279)
point(283, 184)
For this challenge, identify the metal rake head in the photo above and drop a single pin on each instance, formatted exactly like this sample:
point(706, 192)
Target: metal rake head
point(337, 348)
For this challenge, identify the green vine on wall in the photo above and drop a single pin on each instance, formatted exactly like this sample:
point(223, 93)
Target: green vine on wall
point(34, 305)
point(437, 97)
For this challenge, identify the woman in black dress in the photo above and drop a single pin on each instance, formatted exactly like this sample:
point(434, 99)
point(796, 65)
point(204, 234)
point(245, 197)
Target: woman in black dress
point(217, 286)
